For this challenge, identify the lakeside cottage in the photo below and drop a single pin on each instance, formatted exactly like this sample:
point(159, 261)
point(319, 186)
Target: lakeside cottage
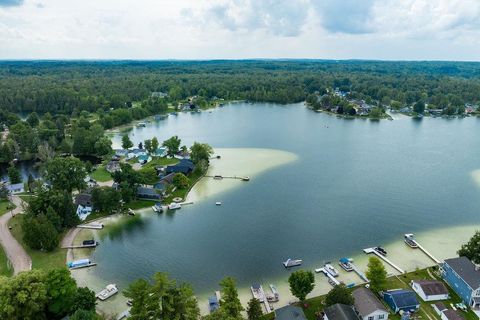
point(84, 204)
point(15, 188)
point(464, 278)
point(113, 166)
point(340, 311)
point(401, 300)
point(430, 290)
point(446, 314)
point(290, 313)
point(148, 193)
point(368, 306)
point(185, 166)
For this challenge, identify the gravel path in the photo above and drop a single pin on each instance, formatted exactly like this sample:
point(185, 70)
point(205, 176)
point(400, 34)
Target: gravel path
point(17, 256)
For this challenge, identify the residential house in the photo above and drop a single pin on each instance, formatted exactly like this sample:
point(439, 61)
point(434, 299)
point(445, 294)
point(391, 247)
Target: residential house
point(340, 311)
point(290, 313)
point(113, 166)
point(84, 204)
point(144, 159)
point(430, 290)
point(401, 300)
point(159, 94)
point(15, 188)
point(148, 193)
point(161, 152)
point(91, 183)
point(185, 166)
point(368, 306)
point(464, 278)
point(121, 152)
point(446, 314)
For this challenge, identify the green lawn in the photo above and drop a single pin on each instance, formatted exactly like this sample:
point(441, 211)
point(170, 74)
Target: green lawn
point(182, 193)
point(426, 311)
point(148, 170)
point(40, 259)
point(5, 269)
point(101, 174)
point(5, 206)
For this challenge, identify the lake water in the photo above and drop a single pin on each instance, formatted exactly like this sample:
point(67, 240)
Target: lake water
point(353, 184)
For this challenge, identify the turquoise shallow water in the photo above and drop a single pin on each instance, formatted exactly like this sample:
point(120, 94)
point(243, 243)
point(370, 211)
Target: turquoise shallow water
point(356, 183)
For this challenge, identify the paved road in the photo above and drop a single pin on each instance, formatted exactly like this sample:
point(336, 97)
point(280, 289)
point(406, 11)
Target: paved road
point(18, 257)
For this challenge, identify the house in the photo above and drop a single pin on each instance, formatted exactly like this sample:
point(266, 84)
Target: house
point(91, 183)
point(439, 308)
point(401, 300)
point(185, 166)
point(368, 306)
point(121, 152)
point(161, 152)
point(113, 166)
point(15, 188)
point(430, 290)
point(290, 313)
point(84, 204)
point(446, 314)
point(159, 94)
point(148, 193)
point(464, 278)
point(340, 311)
point(144, 159)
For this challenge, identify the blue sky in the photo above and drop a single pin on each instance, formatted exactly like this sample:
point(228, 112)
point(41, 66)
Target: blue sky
point(239, 29)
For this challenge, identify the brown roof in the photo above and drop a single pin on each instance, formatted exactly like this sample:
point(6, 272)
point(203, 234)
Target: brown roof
point(440, 306)
point(453, 315)
point(432, 287)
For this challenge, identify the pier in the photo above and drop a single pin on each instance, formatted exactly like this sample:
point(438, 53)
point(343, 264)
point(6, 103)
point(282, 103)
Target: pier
point(97, 226)
point(329, 276)
point(87, 246)
point(372, 250)
point(359, 272)
point(259, 294)
point(422, 248)
point(220, 177)
point(83, 266)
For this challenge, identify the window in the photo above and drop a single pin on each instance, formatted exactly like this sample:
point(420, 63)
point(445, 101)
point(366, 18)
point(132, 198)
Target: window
point(370, 318)
point(381, 316)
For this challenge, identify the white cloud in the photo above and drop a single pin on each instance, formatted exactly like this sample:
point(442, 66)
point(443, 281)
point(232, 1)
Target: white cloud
point(205, 29)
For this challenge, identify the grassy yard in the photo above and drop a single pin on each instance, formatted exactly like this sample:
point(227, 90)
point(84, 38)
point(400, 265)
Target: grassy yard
point(40, 259)
point(5, 269)
point(101, 174)
point(5, 206)
point(182, 193)
point(148, 170)
point(426, 311)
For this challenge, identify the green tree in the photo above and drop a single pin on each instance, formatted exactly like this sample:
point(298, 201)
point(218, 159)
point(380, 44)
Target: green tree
point(33, 120)
point(376, 274)
point(84, 299)
point(201, 152)
point(230, 304)
point(105, 199)
point(126, 142)
point(147, 144)
point(339, 294)
point(301, 283)
point(419, 107)
point(471, 249)
point(39, 233)
point(61, 290)
point(66, 173)
point(103, 147)
point(81, 314)
point(144, 304)
point(155, 144)
point(3, 191)
point(172, 145)
point(254, 309)
point(180, 181)
point(14, 175)
point(23, 297)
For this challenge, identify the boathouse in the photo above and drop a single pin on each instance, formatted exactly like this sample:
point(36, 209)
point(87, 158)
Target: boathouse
point(464, 278)
point(401, 300)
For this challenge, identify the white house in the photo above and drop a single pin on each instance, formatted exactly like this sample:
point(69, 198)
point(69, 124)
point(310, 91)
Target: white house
point(368, 306)
point(430, 290)
point(446, 314)
point(15, 188)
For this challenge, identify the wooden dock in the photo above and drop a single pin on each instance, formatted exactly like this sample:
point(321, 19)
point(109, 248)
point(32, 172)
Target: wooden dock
point(359, 272)
point(372, 250)
point(328, 275)
point(423, 249)
point(220, 177)
point(97, 226)
point(81, 246)
point(84, 266)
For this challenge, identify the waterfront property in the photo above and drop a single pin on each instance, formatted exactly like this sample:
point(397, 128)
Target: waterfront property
point(290, 313)
point(340, 311)
point(15, 188)
point(445, 313)
point(430, 290)
point(84, 204)
point(144, 192)
point(184, 166)
point(368, 306)
point(401, 300)
point(464, 278)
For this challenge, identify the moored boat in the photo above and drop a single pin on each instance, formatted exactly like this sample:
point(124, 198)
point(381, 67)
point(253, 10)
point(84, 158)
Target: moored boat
point(106, 293)
point(141, 124)
point(345, 263)
point(380, 250)
point(174, 206)
point(213, 303)
point(292, 263)
point(331, 270)
point(257, 292)
point(410, 241)
point(157, 207)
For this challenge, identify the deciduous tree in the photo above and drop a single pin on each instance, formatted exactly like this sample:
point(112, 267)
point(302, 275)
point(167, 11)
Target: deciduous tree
point(377, 274)
point(301, 283)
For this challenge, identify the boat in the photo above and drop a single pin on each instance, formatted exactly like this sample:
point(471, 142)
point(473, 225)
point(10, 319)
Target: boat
point(331, 270)
point(275, 294)
point(380, 250)
point(157, 207)
point(90, 243)
point(257, 292)
point(346, 264)
point(410, 241)
point(141, 124)
point(218, 203)
point(213, 303)
point(292, 263)
point(131, 212)
point(82, 263)
point(106, 293)
point(174, 206)
point(217, 177)
point(246, 179)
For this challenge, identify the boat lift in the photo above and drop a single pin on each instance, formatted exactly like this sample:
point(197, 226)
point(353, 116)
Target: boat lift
point(372, 250)
point(329, 276)
point(410, 235)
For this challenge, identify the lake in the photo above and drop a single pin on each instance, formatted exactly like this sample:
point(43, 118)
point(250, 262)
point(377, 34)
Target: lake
point(354, 183)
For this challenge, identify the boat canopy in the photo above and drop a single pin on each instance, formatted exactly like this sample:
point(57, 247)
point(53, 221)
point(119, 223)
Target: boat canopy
point(344, 260)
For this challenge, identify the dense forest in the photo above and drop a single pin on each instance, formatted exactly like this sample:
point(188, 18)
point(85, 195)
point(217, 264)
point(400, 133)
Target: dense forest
point(68, 87)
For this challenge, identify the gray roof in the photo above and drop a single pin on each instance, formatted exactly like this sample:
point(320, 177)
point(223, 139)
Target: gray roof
point(340, 311)
point(432, 287)
point(146, 191)
point(440, 306)
point(290, 313)
point(366, 302)
point(466, 270)
point(83, 199)
point(453, 315)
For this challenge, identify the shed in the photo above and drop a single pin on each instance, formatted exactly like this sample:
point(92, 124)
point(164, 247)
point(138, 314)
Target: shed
point(430, 290)
point(401, 300)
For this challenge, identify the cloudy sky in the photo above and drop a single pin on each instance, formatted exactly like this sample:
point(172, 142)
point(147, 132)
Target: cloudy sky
point(232, 29)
